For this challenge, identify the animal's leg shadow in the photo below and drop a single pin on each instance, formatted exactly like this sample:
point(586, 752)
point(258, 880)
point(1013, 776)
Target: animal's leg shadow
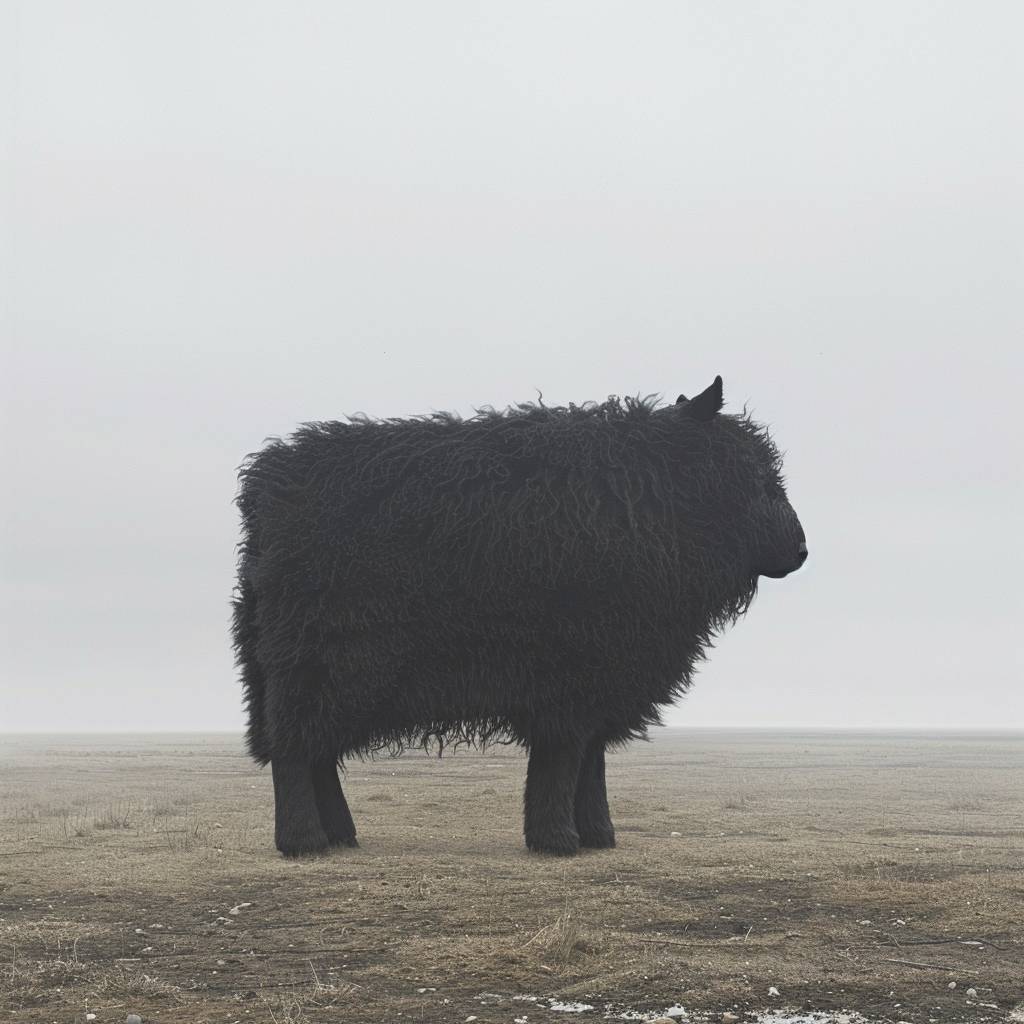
point(297, 828)
point(335, 816)
point(551, 778)
point(593, 821)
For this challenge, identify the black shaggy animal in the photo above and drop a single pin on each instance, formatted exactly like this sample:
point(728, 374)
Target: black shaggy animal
point(544, 575)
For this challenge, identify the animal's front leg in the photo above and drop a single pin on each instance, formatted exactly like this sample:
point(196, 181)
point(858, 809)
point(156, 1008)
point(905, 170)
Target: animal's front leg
point(330, 800)
point(593, 822)
point(551, 778)
point(297, 828)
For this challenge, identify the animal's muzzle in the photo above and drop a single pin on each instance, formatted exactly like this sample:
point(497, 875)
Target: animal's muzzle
point(777, 572)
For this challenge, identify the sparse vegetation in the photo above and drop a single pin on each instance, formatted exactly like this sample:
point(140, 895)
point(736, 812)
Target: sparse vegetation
point(560, 942)
point(115, 816)
point(965, 803)
point(155, 889)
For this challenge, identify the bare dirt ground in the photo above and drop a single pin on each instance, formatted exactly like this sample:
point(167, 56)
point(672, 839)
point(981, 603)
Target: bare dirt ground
point(845, 871)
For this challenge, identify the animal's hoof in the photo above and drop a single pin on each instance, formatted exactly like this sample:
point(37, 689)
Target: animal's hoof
point(345, 841)
point(302, 845)
point(563, 844)
point(598, 839)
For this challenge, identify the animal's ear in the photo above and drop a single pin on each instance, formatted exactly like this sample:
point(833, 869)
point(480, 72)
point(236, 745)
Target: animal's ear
point(681, 399)
point(707, 403)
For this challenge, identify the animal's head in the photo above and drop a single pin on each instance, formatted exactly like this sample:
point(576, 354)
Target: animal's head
point(737, 487)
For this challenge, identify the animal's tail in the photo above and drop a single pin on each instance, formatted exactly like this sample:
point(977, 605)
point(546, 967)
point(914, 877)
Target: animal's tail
point(245, 633)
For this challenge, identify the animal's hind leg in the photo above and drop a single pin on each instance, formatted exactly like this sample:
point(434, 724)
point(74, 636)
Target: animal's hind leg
point(551, 779)
point(297, 828)
point(335, 816)
point(593, 821)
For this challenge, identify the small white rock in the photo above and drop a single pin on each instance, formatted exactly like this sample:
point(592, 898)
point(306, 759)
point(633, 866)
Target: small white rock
point(951, 985)
point(133, 1018)
point(972, 993)
point(773, 991)
point(675, 834)
point(235, 911)
point(140, 931)
point(90, 1016)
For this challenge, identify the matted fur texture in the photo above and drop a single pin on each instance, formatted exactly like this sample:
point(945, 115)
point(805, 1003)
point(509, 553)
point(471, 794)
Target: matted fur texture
point(506, 576)
point(546, 576)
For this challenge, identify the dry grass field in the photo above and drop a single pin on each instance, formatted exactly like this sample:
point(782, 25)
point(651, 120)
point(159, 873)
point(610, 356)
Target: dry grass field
point(846, 872)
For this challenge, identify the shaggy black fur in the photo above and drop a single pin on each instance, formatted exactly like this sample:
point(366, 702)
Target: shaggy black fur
point(547, 576)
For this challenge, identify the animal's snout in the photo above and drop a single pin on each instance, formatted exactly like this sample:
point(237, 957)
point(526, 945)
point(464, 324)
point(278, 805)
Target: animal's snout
point(801, 552)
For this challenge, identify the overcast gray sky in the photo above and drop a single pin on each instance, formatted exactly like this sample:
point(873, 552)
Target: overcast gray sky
point(220, 220)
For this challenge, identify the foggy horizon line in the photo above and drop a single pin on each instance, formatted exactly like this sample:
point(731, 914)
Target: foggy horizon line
point(943, 729)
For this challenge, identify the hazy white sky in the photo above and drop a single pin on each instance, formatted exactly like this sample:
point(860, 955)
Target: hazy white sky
point(220, 220)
